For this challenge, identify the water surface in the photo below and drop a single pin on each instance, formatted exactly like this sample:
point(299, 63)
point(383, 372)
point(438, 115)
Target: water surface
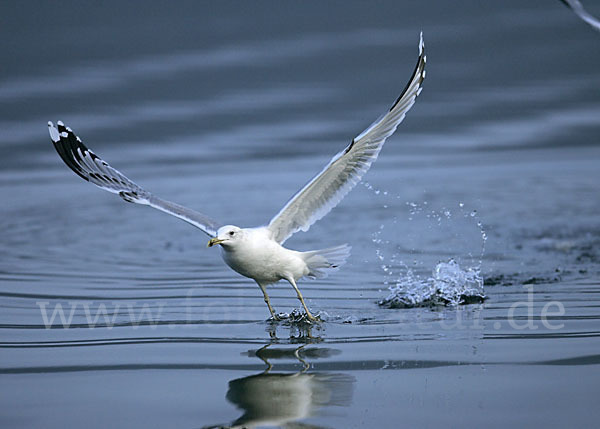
point(229, 108)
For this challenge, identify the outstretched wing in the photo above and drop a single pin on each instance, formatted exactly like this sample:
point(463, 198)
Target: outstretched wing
point(87, 165)
point(346, 168)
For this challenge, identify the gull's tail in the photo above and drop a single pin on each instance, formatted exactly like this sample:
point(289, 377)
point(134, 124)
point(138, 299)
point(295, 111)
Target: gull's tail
point(320, 262)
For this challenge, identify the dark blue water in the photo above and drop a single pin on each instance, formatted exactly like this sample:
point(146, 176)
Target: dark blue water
point(117, 315)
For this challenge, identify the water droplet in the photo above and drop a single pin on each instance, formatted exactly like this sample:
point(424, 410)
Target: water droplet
point(448, 284)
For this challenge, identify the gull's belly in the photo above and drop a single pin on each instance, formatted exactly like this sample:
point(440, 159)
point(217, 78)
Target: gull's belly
point(266, 264)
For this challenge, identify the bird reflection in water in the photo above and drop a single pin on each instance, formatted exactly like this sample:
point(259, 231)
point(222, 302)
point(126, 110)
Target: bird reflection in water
point(281, 399)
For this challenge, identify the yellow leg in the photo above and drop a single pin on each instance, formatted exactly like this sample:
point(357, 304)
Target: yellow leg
point(308, 313)
point(267, 301)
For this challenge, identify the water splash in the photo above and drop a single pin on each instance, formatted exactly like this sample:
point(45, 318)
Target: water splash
point(404, 256)
point(449, 284)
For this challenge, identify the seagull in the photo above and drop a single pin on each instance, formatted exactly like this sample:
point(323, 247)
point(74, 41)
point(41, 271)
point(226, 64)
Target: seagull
point(258, 252)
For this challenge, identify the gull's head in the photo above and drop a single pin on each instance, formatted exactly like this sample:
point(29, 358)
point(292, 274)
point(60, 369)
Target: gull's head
point(227, 235)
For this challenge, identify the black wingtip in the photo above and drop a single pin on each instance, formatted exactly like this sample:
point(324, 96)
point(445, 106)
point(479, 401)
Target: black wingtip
point(420, 64)
point(66, 144)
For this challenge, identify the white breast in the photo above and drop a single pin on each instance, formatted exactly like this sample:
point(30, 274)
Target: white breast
point(262, 259)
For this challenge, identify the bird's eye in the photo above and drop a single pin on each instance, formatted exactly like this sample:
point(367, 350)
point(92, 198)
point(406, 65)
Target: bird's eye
point(231, 233)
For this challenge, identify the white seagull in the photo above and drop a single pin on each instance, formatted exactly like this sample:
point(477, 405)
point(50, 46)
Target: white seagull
point(258, 253)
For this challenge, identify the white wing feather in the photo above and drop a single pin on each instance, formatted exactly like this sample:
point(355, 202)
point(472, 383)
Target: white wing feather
point(87, 165)
point(347, 167)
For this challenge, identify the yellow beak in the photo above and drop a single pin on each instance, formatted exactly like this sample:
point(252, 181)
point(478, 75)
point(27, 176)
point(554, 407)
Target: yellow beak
point(214, 241)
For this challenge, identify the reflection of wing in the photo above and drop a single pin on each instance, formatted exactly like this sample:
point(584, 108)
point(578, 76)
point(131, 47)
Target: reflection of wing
point(577, 7)
point(346, 168)
point(87, 165)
